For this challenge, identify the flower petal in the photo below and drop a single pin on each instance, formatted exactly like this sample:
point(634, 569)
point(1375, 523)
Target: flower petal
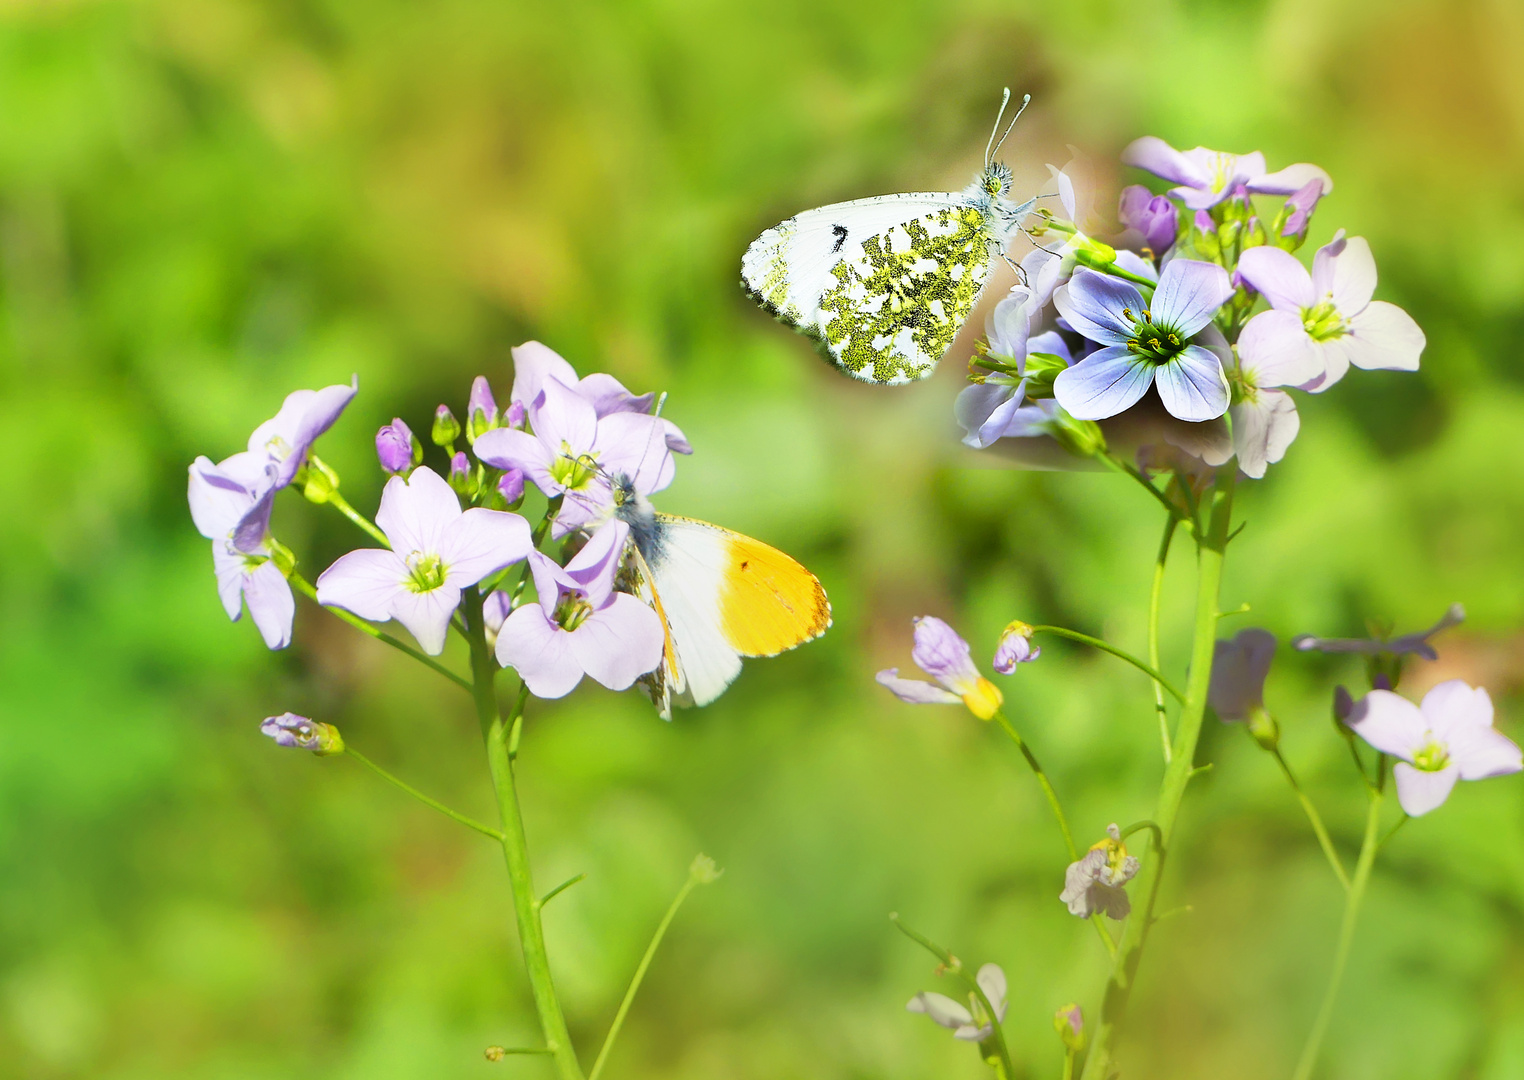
point(305, 414)
point(1093, 305)
point(1333, 358)
point(416, 511)
point(941, 1008)
point(1009, 324)
point(217, 500)
point(991, 980)
point(1189, 294)
point(1239, 669)
point(1275, 350)
point(915, 691)
point(1389, 723)
point(1290, 180)
point(1480, 753)
point(271, 605)
point(1353, 277)
point(984, 410)
point(969, 1033)
point(1192, 385)
point(635, 445)
point(482, 542)
point(1419, 791)
point(620, 642)
point(427, 614)
point(1103, 384)
point(509, 448)
point(1154, 155)
point(533, 363)
point(363, 582)
point(1278, 276)
point(1384, 336)
point(607, 395)
point(539, 651)
point(1454, 706)
point(943, 654)
point(563, 421)
point(1263, 429)
point(593, 568)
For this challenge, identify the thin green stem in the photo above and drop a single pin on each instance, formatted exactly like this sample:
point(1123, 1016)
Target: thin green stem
point(470, 823)
point(702, 872)
point(1316, 819)
point(1042, 779)
point(561, 888)
point(1155, 596)
point(341, 504)
point(1120, 654)
point(1368, 848)
point(1177, 775)
point(1111, 461)
point(526, 906)
point(1068, 1065)
point(954, 967)
point(1401, 821)
point(304, 587)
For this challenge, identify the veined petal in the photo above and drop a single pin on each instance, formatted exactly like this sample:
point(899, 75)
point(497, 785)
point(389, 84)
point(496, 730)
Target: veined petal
point(593, 568)
point(1189, 294)
point(1192, 385)
point(1419, 791)
point(271, 605)
point(1384, 336)
point(533, 363)
point(915, 691)
point(563, 421)
point(509, 448)
point(1094, 304)
point(607, 395)
point(1009, 324)
point(1263, 429)
point(1290, 180)
point(1279, 277)
point(984, 410)
point(416, 511)
point(619, 642)
point(232, 570)
point(1104, 383)
point(427, 614)
point(1391, 724)
point(635, 445)
point(1275, 350)
point(217, 501)
point(943, 654)
point(1154, 155)
point(1052, 343)
point(1351, 277)
point(482, 542)
point(539, 651)
point(364, 582)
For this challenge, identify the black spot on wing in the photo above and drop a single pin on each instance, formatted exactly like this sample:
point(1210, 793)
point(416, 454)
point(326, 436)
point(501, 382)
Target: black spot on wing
point(840, 232)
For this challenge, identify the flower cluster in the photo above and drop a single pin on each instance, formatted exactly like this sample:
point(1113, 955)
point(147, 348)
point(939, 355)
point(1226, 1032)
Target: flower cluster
point(1185, 326)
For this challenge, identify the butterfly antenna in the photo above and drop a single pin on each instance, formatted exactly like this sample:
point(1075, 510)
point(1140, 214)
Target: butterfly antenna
point(1025, 101)
point(661, 403)
point(990, 146)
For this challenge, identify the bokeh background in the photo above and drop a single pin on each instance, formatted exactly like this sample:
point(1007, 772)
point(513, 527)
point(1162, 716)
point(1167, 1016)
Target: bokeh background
point(205, 204)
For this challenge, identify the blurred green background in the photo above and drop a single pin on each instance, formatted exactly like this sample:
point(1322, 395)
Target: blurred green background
point(205, 204)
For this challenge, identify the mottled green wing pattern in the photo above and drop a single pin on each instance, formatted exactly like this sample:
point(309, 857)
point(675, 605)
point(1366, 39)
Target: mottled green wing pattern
point(893, 312)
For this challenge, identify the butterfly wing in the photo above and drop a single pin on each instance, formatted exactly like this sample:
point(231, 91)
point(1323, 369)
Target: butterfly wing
point(724, 596)
point(883, 285)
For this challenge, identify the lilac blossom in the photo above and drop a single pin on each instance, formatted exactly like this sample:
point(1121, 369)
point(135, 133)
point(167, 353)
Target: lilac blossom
point(1329, 312)
point(1153, 216)
point(533, 363)
point(436, 551)
point(1145, 344)
point(968, 1024)
point(576, 454)
point(1239, 668)
point(1095, 883)
point(1416, 643)
point(300, 733)
point(984, 409)
point(230, 503)
point(511, 485)
point(1207, 177)
point(394, 447)
point(1015, 647)
point(1265, 420)
point(580, 625)
point(946, 657)
point(1298, 209)
point(1448, 737)
point(305, 414)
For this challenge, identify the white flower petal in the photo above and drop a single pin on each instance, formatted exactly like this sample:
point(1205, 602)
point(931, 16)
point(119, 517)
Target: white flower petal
point(1275, 350)
point(414, 512)
point(1418, 791)
point(941, 1008)
point(1103, 384)
point(1263, 429)
point(1390, 723)
point(991, 980)
point(1192, 385)
point(1384, 336)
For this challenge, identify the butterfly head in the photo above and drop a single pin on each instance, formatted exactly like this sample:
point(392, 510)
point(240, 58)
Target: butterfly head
point(995, 180)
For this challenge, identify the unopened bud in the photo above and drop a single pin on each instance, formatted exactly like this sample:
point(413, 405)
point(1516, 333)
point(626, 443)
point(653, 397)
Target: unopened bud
point(1069, 1022)
point(446, 428)
point(514, 417)
point(460, 474)
point(511, 485)
point(1264, 728)
point(1080, 437)
point(289, 729)
point(395, 445)
point(495, 1053)
point(321, 481)
point(1015, 648)
point(481, 411)
point(1296, 214)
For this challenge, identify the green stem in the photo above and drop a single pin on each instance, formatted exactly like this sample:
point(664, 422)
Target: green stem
point(954, 967)
point(1177, 775)
point(1368, 848)
point(1068, 1065)
point(1155, 595)
point(526, 906)
point(1111, 461)
point(304, 587)
point(1324, 841)
point(341, 504)
point(485, 830)
point(1120, 654)
point(700, 873)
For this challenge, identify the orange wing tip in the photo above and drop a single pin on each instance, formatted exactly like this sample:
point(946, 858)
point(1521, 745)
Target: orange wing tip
point(769, 603)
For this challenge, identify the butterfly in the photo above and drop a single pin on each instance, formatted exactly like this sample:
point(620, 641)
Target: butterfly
point(883, 285)
point(721, 596)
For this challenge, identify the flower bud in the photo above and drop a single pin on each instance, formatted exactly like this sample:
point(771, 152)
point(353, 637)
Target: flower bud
point(460, 474)
point(1082, 438)
point(289, 729)
point(1069, 1022)
point(446, 428)
point(511, 486)
point(1204, 235)
point(394, 447)
point(514, 417)
point(703, 870)
point(320, 481)
point(481, 411)
point(1296, 214)
point(1015, 648)
point(1152, 215)
point(1264, 728)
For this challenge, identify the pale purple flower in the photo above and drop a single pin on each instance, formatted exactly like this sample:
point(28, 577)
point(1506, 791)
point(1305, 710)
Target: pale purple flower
point(973, 1023)
point(574, 453)
point(300, 733)
point(1265, 420)
point(1207, 177)
point(1095, 884)
point(1239, 668)
point(305, 414)
point(1153, 216)
point(1448, 737)
point(1415, 643)
point(437, 550)
point(533, 363)
point(514, 417)
point(1145, 344)
point(1329, 312)
point(984, 409)
point(947, 658)
point(1299, 207)
point(394, 447)
point(495, 609)
point(580, 625)
point(230, 503)
point(1015, 647)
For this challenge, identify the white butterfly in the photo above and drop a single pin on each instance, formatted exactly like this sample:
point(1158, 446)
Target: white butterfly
point(883, 285)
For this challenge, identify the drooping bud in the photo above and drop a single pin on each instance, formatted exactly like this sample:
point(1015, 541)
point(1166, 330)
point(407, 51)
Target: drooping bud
point(446, 428)
point(1152, 215)
point(481, 411)
point(511, 486)
point(395, 447)
point(298, 732)
point(1296, 214)
point(1069, 1022)
point(1015, 648)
